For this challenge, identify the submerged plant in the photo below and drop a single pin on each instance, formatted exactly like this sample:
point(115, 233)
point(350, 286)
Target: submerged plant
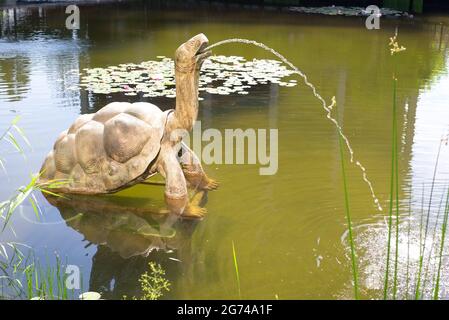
point(153, 283)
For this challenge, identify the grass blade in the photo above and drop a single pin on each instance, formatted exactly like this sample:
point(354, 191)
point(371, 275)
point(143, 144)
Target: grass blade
point(443, 237)
point(421, 258)
point(348, 219)
point(392, 186)
point(236, 267)
point(396, 169)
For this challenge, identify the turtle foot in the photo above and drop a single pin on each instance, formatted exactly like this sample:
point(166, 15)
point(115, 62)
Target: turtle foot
point(194, 211)
point(211, 185)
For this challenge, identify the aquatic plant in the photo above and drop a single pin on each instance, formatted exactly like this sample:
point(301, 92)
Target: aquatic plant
point(38, 280)
point(348, 213)
point(236, 268)
point(421, 277)
point(428, 266)
point(7, 207)
point(409, 228)
point(229, 74)
point(8, 135)
point(436, 289)
point(153, 283)
point(23, 193)
point(394, 181)
point(12, 260)
point(392, 190)
point(418, 293)
point(26, 276)
point(371, 239)
point(46, 282)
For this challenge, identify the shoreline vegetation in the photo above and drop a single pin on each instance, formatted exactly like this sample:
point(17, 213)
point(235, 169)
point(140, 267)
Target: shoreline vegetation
point(409, 6)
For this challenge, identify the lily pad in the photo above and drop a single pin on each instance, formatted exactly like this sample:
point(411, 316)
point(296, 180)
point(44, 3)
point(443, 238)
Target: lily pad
point(221, 75)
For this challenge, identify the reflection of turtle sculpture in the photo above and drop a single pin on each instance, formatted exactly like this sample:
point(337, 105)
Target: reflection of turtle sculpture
point(123, 144)
point(128, 231)
point(126, 239)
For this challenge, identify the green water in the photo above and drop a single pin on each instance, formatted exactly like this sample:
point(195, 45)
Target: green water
point(289, 229)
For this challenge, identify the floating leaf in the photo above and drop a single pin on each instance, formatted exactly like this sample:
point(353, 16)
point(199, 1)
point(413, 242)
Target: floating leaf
point(90, 295)
point(230, 74)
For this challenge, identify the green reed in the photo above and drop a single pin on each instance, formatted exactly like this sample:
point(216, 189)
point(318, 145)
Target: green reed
point(46, 281)
point(10, 265)
point(348, 219)
point(443, 237)
point(39, 280)
point(9, 136)
point(395, 48)
point(434, 236)
point(423, 251)
point(421, 279)
point(236, 268)
point(409, 227)
point(23, 193)
point(395, 283)
point(396, 174)
point(393, 188)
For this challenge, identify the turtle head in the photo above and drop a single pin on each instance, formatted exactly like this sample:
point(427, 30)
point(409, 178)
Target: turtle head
point(191, 54)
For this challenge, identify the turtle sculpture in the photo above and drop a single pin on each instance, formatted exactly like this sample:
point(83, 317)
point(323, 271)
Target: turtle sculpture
point(123, 143)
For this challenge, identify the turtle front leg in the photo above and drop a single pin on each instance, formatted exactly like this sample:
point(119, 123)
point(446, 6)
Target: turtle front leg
point(176, 195)
point(193, 171)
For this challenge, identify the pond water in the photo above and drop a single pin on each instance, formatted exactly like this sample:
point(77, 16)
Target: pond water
point(289, 229)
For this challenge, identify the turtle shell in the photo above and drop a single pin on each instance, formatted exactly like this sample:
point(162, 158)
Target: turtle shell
point(107, 150)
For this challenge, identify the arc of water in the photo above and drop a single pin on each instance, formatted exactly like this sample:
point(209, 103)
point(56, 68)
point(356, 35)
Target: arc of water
point(327, 109)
